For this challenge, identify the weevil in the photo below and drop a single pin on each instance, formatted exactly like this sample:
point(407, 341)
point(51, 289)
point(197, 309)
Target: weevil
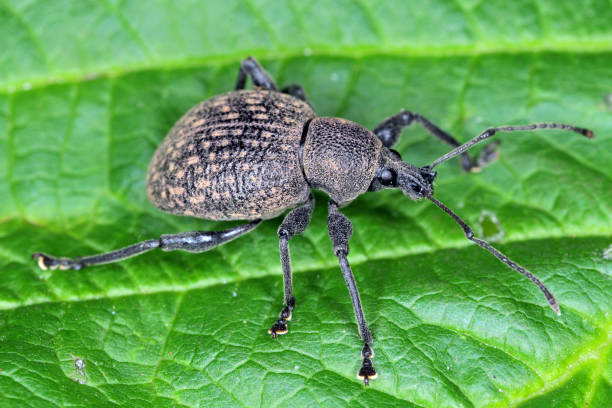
point(253, 154)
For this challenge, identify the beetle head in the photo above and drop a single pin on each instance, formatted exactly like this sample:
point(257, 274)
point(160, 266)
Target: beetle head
point(392, 172)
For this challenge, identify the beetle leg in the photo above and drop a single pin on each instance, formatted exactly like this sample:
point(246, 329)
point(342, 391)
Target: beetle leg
point(294, 223)
point(193, 241)
point(298, 92)
point(340, 230)
point(295, 90)
point(391, 128)
point(261, 79)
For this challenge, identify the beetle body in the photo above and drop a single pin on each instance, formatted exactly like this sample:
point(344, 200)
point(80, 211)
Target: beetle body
point(252, 154)
point(233, 157)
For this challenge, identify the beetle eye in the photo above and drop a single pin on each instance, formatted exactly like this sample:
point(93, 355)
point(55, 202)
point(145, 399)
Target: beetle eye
point(387, 177)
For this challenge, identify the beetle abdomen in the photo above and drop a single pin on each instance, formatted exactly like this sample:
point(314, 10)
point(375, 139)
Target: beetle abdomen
point(234, 156)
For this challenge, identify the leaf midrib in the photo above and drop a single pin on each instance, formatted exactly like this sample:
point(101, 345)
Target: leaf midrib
point(594, 353)
point(599, 45)
point(238, 279)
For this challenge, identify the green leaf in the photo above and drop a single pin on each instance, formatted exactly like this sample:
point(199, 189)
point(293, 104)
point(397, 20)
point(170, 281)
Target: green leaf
point(88, 89)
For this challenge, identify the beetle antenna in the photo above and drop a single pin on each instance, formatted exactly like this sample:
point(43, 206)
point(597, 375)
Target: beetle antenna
point(492, 131)
point(469, 234)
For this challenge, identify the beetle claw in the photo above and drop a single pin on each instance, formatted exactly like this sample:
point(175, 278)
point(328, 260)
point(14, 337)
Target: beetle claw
point(367, 371)
point(47, 262)
point(280, 327)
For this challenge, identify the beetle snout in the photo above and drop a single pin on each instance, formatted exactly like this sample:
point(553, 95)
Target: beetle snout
point(416, 183)
point(428, 174)
point(416, 190)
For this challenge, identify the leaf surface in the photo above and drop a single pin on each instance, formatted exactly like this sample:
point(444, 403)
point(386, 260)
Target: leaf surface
point(88, 89)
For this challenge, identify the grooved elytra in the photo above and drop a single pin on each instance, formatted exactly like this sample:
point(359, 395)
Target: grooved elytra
point(238, 164)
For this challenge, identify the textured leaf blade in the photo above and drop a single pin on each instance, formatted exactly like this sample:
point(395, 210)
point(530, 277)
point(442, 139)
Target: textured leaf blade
point(80, 119)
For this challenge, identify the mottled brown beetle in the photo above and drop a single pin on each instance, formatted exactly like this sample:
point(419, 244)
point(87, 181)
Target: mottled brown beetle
point(252, 154)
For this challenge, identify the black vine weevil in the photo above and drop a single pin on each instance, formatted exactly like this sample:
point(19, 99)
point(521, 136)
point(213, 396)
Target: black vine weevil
point(252, 154)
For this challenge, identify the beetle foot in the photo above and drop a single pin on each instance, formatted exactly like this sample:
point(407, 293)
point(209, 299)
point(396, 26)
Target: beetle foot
point(46, 262)
point(367, 371)
point(280, 327)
